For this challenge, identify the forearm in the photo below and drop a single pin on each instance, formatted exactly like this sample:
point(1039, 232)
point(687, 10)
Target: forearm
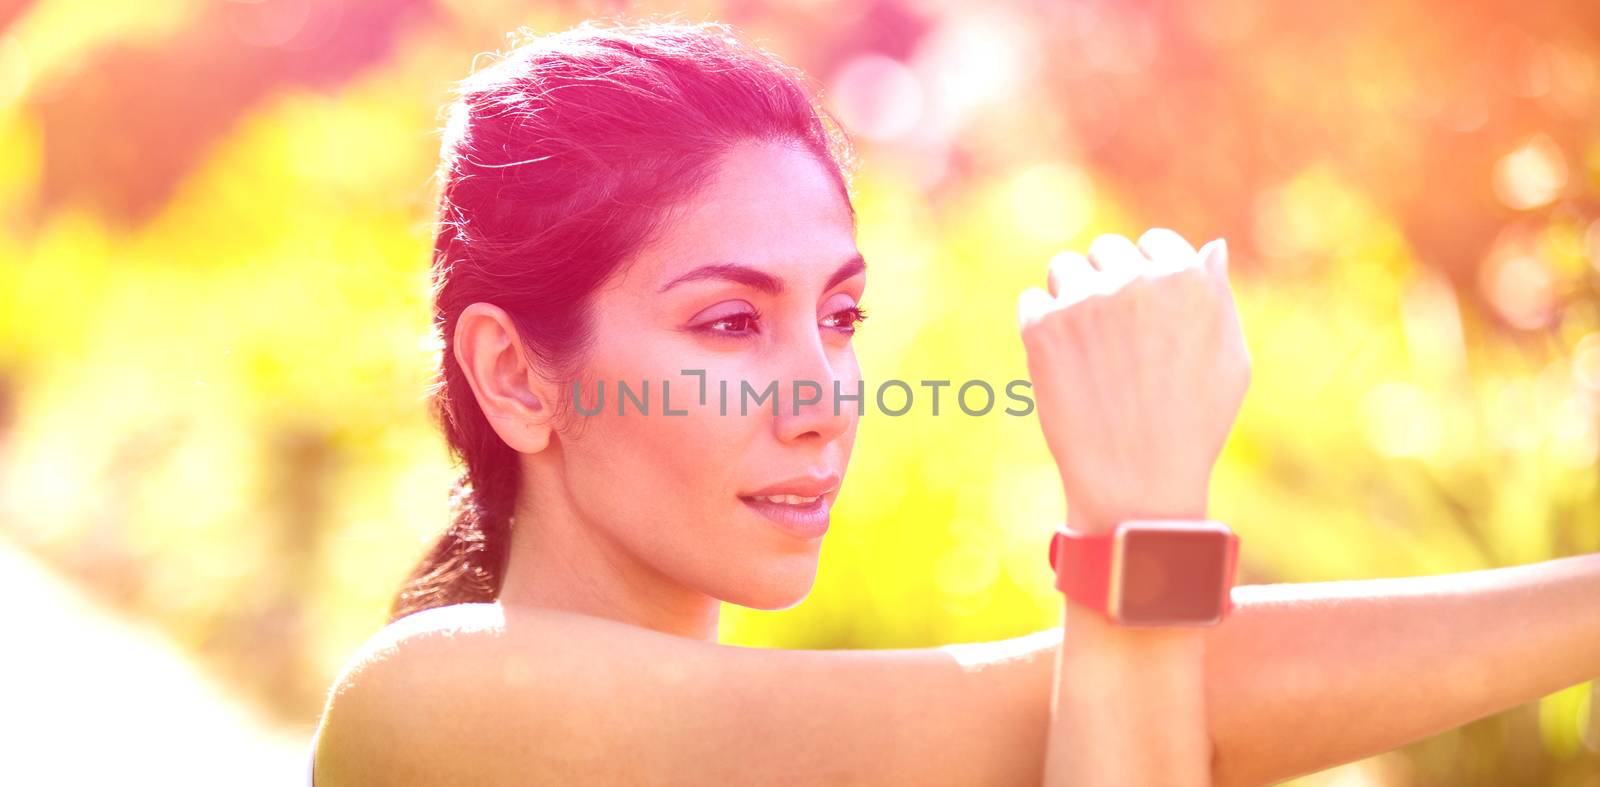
point(1127, 703)
point(1409, 657)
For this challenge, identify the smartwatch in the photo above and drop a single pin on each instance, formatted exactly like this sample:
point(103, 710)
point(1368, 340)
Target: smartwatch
point(1150, 572)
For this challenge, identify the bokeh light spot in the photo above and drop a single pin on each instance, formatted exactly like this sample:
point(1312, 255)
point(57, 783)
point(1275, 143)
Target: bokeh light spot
point(1531, 176)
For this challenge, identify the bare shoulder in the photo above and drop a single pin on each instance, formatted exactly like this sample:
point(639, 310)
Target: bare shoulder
point(418, 637)
point(418, 640)
point(486, 694)
point(416, 699)
point(428, 695)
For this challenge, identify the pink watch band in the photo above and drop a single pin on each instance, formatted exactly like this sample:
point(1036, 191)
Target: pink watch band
point(1083, 567)
point(1082, 564)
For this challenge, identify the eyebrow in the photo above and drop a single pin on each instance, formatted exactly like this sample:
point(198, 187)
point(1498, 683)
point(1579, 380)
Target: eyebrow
point(761, 280)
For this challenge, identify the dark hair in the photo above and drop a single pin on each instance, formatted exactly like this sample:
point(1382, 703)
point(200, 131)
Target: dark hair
point(559, 161)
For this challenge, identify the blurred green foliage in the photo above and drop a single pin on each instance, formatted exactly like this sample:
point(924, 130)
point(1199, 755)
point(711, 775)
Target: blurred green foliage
point(212, 360)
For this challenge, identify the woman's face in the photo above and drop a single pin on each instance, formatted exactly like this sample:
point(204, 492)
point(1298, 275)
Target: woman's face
point(775, 305)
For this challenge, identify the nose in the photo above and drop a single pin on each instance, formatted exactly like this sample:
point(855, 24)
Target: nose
point(807, 407)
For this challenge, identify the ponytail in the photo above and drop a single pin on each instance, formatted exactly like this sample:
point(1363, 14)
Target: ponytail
point(467, 563)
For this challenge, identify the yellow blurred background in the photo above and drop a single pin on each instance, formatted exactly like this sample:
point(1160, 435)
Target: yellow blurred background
point(216, 464)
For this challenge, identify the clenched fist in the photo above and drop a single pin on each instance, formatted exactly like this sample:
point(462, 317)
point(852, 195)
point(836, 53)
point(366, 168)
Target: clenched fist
point(1139, 367)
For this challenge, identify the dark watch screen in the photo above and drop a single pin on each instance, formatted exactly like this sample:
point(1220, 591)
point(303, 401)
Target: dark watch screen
point(1172, 576)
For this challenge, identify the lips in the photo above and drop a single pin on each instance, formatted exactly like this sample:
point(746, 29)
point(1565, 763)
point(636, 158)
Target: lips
point(799, 505)
point(805, 487)
point(788, 500)
point(807, 519)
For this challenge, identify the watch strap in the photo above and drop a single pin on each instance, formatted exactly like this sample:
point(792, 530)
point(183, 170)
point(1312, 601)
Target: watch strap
point(1082, 565)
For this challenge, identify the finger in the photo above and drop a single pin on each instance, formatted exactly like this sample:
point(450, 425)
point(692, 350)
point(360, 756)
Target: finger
point(1214, 256)
point(1167, 249)
point(1070, 273)
point(1033, 303)
point(1116, 257)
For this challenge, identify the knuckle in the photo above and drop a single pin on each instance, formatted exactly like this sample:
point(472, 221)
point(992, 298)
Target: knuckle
point(1104, 240)
point(1152, 234)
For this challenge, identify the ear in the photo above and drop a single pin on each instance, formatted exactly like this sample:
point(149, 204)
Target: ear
point(515, 399)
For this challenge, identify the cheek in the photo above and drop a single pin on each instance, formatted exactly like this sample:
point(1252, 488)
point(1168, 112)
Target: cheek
point(672, 458)
point(680, 473)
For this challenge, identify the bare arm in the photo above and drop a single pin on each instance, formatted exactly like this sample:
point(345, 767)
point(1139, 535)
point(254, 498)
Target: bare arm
point(1411, 657)
point(1128, 703)
point(481, 695)
point(1129, 706)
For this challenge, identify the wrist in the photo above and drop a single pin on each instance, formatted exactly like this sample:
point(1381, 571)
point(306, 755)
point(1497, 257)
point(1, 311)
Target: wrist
point(1086, 517)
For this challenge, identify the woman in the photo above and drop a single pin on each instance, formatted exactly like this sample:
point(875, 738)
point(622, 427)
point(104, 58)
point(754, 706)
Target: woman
point(661, 203)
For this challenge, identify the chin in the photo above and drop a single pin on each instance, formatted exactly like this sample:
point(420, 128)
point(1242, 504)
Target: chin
point(776, 588)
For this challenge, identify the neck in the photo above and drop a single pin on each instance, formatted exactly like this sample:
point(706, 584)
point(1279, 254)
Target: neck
point(559, 560)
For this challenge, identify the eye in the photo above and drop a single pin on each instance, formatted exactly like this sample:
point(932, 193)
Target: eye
point(742, 324)
point(847, 320)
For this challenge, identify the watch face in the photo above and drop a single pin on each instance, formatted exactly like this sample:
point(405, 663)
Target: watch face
point(1170, 576)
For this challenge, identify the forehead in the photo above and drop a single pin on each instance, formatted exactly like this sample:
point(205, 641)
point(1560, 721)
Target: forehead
point(768, 206)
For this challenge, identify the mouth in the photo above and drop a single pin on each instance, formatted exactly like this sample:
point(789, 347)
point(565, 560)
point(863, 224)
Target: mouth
point(798, 506)
point(807, 518)
point(786, 500)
